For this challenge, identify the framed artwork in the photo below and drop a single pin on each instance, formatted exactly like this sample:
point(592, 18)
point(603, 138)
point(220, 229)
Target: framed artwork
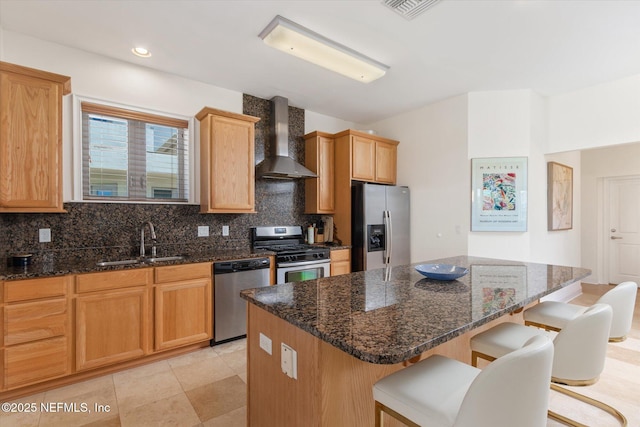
point(499, 194)
point(559, 197)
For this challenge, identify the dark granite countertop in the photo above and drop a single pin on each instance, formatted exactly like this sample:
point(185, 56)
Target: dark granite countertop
point(83, 261)
point(391, 319)
point(59, 263)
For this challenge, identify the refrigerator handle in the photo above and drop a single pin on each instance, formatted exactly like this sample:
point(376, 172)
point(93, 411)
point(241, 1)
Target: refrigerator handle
point(388, 230)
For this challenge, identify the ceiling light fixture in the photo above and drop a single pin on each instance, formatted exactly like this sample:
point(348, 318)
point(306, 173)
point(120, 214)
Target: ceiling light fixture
point(141, 52)
point(299, 41)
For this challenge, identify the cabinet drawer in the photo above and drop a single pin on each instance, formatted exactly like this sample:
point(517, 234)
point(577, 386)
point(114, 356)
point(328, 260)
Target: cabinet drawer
point(176, 273)
point(25, 290)
point(112, 280)
point(34, 362)
point(340, 255)
point(34, 321)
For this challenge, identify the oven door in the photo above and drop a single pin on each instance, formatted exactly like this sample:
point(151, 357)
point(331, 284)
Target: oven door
point(299, 271)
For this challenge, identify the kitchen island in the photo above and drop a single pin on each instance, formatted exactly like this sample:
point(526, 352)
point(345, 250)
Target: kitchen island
point(349, 331)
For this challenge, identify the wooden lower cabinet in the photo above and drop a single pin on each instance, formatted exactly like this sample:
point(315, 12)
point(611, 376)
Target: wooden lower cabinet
point(182, 313)
point(111, 327)
point(107, 319)
point(36, 361)
point(340, 262)
point(36, 331)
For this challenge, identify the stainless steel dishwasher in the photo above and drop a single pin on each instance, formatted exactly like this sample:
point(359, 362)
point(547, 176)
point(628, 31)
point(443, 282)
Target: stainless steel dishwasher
point(230, 311)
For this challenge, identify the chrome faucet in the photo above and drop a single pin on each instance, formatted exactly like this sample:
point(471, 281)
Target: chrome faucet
point(152, 235)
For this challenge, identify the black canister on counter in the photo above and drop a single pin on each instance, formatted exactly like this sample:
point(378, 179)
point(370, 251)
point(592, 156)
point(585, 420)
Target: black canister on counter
point(21, 260)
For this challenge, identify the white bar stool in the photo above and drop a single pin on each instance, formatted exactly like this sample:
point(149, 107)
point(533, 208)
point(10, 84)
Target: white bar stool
point(579, 356)
point(553, 315)
point(442, 392)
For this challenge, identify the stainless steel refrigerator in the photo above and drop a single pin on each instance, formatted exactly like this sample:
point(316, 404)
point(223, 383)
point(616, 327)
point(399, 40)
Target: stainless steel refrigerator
point(380, 229)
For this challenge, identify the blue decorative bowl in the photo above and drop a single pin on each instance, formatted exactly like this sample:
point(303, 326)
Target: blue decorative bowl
point(441, 271)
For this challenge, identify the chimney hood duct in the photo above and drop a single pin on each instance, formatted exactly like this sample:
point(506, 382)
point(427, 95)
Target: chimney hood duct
point(279, 165)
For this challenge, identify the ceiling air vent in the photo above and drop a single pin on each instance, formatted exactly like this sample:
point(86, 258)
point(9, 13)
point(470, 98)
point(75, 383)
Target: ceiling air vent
point(409, 9)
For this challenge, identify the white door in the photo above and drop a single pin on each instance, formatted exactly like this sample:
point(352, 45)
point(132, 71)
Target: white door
point(624, 230)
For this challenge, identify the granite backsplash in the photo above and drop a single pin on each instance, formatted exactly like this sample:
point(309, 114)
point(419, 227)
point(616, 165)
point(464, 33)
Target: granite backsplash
point(113, 229)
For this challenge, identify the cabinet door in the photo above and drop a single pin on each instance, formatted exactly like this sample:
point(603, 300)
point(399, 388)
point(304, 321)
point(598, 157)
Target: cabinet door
point(30, 144)
point(385, 162)
point(319, 192)
point(182, 313)
point(230, 158)
point(111, 327)
point(363, 159)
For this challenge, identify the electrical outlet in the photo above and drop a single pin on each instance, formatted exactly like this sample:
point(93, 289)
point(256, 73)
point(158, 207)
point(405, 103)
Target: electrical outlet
point(203, 231)
point(265, 343)
point(225, 230)
point(289, 361)
point(44, 235)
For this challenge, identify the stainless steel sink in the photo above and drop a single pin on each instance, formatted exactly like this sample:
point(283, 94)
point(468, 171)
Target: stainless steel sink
point(146, 260)
point(151, 260)
point(120, 262)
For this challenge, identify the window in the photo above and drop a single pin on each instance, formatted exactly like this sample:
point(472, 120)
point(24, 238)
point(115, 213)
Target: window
point(135, 156)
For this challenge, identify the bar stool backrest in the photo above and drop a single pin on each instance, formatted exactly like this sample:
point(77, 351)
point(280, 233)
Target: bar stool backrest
point(622, 300)
point(512, 390)
point(581, 346)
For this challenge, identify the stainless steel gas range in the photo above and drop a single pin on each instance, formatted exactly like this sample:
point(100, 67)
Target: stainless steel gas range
point(295, 259)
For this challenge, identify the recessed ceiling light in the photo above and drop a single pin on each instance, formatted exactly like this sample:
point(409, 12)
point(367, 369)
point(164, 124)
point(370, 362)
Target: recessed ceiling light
point(141, 52)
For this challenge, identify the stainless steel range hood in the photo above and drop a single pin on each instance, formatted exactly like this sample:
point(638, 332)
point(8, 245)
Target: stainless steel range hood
point(279, 165)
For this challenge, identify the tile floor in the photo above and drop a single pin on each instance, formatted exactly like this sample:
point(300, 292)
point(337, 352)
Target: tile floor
point(203, 388)
point(208, 388)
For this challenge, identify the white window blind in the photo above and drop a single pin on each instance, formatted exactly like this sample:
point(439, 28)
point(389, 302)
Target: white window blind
point(130, 155)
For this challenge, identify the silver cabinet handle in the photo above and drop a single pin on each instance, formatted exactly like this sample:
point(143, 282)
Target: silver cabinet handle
point(615, 237)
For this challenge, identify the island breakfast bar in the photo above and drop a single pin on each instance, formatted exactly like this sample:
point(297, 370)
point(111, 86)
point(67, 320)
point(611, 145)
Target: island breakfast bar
point(349, 331)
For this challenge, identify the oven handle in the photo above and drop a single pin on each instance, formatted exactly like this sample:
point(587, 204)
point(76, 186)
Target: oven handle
point(295, 264)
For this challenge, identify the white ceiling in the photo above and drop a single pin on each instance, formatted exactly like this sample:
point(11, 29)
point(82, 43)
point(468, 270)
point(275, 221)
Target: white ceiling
point(456, 46)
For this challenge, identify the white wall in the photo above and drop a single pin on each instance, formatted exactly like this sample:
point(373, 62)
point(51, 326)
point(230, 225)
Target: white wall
point(436, 143)
point(320, 122)
point(122, 82)
point(499, 126)
point(433, 162)
point(125, 83)
point(597, 116)
point(597, 164)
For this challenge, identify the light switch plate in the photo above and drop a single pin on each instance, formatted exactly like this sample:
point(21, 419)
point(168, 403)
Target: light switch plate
point(203, 230)
point(289, 361)
point(225, 230)
point(44, 235)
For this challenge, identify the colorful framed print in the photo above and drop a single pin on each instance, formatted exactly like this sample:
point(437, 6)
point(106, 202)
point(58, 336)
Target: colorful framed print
point(499, 194)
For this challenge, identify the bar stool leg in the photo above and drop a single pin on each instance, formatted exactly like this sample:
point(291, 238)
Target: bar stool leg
point(380, 408)
point(593, 402)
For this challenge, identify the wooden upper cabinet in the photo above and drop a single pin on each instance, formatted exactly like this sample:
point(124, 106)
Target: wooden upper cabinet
point(31, 139)
point(227, 166)
point(320, 159)
point(386, 159)
point(373, 159)
point(363, 159)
